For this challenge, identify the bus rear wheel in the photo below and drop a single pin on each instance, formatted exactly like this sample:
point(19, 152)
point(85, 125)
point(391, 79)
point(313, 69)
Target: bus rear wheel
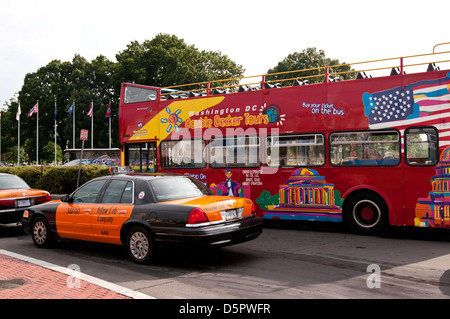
point(366, 214)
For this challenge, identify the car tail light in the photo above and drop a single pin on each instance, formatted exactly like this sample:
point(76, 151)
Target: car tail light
point(7, 203)
point(42, 199)
point(197, 216)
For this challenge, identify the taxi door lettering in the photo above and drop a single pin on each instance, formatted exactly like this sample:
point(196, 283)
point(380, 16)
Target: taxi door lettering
point(107, 220)
point(73, 220)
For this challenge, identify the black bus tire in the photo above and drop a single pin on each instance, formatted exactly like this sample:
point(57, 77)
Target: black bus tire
point(366, 213)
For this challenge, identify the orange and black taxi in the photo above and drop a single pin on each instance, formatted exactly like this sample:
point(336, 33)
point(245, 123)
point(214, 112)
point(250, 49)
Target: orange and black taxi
point(140, 211)
point(15, 196)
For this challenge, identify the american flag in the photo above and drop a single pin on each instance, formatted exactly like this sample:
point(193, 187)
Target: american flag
point(33, 110)
point(91, 110)
point(422, 103)
point(108, 111)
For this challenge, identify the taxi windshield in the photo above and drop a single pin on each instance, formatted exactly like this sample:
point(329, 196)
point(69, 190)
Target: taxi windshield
point(170, 188)
point(12, 181)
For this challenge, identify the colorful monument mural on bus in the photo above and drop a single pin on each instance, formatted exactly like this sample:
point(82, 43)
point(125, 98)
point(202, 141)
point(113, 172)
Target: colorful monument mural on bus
point(434, 211)
point(306, 196)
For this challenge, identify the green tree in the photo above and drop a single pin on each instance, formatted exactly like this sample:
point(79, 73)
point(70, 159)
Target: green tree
point(313, 62)
point(167, 60)
point(11, 155)
point(9, 131)
point(61, 84)
point(48, 153)
point(163, 61)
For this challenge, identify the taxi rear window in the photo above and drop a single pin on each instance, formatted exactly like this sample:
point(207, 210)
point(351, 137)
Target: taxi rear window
point(171, 188)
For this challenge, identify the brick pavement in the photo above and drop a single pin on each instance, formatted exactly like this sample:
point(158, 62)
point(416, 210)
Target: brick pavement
point(22, 279)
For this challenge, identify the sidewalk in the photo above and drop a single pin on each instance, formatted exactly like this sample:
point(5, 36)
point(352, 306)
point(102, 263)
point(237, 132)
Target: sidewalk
point(22, 277)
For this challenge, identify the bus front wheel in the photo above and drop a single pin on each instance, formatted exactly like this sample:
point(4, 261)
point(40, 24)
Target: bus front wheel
point(366, 214)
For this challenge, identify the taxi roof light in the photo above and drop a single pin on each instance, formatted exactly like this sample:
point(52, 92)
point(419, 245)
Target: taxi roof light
point(120, 170)
point(197, 216)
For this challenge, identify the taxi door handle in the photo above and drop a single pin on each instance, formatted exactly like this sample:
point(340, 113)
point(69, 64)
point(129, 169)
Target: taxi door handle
point(87, 211)
point(122, 212)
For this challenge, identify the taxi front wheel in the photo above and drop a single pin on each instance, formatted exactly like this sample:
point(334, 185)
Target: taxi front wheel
point(42, 237)
point(140, 245)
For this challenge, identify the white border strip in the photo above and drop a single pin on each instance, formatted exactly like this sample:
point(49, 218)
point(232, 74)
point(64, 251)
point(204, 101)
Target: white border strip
point(93, 280)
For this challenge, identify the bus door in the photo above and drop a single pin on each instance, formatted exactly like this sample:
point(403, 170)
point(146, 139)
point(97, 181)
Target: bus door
point(141, 156)
point(423, 183)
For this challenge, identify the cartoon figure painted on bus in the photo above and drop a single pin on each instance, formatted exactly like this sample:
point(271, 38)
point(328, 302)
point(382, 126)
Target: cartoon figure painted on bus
point(434, 211)
point(230, 187)
point(305, 196)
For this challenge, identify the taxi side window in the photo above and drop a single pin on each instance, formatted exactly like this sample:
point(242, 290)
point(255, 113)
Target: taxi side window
point(118, 191)
point(127, 196)
point(88, 193)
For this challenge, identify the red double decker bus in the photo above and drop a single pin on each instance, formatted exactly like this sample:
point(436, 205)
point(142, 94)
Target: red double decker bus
point(370, 151)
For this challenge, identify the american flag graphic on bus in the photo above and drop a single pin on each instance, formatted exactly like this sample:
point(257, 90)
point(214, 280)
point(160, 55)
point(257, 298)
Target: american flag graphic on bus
point(421, 103)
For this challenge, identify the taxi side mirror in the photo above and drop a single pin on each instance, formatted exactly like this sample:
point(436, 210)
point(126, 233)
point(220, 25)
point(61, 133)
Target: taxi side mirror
point(65, 199)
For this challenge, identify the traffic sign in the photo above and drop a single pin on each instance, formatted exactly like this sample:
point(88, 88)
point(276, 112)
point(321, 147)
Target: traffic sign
point(84, 135)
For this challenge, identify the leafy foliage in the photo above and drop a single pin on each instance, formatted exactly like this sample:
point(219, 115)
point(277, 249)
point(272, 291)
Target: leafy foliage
point(167, 60)
point(163, 61)
point(312, 61)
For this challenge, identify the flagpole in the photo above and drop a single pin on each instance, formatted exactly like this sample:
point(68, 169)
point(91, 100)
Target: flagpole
point(18, 135)
point(37, 133)
point(108, 115)
point(92, 125)
point(109, 132)
point(55, 132)
point(0, 135)
point(73, 125)
point(18, 141)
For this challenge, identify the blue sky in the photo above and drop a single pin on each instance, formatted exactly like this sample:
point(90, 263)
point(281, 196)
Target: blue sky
point(255, 34)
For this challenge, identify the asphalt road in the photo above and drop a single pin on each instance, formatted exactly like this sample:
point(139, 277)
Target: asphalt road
point(300, 261)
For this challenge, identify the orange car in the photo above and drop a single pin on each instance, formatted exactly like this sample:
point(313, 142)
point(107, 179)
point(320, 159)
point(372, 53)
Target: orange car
point(15, 196)
point(141, 211)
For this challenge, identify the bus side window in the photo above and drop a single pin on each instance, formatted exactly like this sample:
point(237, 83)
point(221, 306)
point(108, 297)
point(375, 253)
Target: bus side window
point(421, 146)
point(365, 148)
point(183, 154)
point(241, 151)
point(137, 94)
point(295, 150)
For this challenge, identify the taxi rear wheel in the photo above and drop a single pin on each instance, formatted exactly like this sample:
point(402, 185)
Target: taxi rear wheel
point(40, 229)
point(140, 245)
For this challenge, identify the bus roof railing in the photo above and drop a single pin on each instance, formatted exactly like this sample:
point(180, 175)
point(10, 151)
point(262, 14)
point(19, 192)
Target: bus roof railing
point(323, 74)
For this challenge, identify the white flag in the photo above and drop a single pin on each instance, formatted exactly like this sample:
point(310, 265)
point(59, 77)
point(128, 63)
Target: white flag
point(18, 113)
